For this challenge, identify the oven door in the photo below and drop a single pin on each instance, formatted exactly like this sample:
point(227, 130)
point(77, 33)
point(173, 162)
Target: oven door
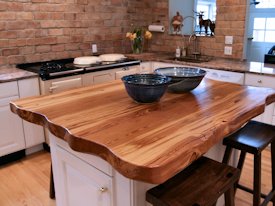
point(61, 84)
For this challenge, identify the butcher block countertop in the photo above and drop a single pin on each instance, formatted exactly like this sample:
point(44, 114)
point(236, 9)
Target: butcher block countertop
point(147, 142)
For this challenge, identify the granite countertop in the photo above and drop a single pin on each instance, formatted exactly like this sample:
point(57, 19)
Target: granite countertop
point(215, 63)
point(13, 74)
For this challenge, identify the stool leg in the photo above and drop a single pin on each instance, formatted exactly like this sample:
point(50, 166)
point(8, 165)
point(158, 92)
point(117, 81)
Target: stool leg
point(273, 169)
point(227, 155)
point(229, 197)
point(257, 180)
point(52, 190)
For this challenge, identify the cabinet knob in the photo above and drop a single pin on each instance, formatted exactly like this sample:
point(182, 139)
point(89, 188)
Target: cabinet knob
point(259, 81)
point(103, 189)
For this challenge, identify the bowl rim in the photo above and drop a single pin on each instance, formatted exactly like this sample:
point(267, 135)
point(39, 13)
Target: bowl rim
point(166, 79)
point(157, 71)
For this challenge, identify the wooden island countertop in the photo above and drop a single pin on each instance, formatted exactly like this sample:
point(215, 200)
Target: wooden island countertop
point(147, 142)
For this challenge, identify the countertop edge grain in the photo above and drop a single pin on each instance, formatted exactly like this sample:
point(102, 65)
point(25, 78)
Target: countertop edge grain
point(157, 174)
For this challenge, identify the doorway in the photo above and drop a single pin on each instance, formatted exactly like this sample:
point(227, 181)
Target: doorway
point(260, 29)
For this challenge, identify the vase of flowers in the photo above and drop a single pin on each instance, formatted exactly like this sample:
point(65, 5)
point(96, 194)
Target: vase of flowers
point(137, 38)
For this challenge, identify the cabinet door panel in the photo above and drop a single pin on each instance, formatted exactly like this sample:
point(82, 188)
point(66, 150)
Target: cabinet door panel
point(8, 89)
point(145, 67)
point(259, 80)
point(82, 184)
point(103, 77)
point(122, 73)
point(262, 81)
point(34, 134)
point(98, 77)
point(12, 136)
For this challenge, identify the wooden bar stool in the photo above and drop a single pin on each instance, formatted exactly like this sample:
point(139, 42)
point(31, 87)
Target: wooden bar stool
point(253, 138)
point(200, 184)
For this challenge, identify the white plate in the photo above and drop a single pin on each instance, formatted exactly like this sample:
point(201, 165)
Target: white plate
point(111, 57)
point(86, 60)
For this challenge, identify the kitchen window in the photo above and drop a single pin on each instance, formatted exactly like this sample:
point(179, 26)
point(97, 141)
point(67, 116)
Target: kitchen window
point(265, 4)
point(264, 30)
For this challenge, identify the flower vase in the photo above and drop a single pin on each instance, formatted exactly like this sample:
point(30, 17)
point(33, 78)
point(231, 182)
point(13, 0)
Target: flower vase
point(137, 45)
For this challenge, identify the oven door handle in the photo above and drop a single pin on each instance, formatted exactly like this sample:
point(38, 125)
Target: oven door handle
point(53, 88)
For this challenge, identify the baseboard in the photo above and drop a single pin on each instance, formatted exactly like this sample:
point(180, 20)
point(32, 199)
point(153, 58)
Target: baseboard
point(12, 157)
point(46, 147)
point(34, 149)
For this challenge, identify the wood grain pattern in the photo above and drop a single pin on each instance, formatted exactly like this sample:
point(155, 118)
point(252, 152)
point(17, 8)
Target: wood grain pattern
point(147, 142)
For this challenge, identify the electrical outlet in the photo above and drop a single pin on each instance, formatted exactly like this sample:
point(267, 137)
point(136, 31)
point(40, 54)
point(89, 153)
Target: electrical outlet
point(228, 50)
point(228, 39)
point(94, 48)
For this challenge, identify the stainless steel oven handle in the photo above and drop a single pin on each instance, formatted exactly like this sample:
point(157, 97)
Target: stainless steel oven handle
point(65, 72)
point(52, 89)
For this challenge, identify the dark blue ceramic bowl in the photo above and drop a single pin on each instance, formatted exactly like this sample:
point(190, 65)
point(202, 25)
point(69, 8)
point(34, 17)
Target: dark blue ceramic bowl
point(184, 79)
point(146, 88)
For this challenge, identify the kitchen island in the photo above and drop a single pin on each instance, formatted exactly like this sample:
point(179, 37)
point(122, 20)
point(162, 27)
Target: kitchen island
point(108, 150)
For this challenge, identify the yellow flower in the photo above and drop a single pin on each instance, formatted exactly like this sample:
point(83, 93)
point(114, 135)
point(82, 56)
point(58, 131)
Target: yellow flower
point(128, 34)
point(133, 36)
point(148, 35)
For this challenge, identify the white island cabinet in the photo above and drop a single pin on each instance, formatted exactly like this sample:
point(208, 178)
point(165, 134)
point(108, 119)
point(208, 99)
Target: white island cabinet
point(85, 179)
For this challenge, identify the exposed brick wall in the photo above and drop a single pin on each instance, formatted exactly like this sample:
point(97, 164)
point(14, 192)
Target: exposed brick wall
point(40, 30)
point(230, 21)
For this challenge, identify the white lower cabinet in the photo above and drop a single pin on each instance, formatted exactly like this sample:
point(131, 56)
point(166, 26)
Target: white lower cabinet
point(126, 71)
point(156, 65)
point(87, 180)
point(146, 67)
point(34, 134)
point(17, 134)
point(259, 80)
point(98, 77)
point(81, 183)
point(12, 135)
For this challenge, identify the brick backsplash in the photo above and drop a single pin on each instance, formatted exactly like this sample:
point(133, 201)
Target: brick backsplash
point(41, 30)
point(230, 21)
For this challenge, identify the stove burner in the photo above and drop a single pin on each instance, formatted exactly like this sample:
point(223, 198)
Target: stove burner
point(52, 67)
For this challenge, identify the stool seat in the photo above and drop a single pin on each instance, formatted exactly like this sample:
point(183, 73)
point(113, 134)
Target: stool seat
point(200, 184)
point(253, 137)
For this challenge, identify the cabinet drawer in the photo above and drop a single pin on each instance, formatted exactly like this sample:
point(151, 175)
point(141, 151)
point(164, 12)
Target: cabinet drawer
point(145, 67)
point(93, 160)
point(8, 89)
point(259, 80)
point(122, 73)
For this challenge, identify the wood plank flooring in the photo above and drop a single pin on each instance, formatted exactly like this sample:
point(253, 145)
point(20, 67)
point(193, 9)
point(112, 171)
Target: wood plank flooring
point(244, 198)
point(26, 182)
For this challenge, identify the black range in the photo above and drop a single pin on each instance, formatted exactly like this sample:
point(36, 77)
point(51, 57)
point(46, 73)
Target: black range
point(65, 67)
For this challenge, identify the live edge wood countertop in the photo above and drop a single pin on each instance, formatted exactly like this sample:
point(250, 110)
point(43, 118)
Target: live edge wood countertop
point(147, 142)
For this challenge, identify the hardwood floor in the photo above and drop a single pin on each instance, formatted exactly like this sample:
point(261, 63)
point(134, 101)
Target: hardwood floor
point(244, 198)
point(26, 182)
